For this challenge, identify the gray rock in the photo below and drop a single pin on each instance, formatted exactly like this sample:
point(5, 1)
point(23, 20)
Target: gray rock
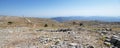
point(54, 46)
point(74, 45)
point(90, 46)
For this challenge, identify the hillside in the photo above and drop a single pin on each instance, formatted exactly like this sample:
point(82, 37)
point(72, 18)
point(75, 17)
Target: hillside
point(14, 21)
point(31, 32)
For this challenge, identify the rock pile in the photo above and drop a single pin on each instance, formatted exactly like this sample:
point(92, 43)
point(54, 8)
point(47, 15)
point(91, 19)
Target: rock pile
point(63, 30)
point(58, 30)
point(113, 41)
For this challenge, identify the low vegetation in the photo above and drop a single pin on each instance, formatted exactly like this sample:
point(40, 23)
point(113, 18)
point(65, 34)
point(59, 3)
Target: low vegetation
point(16, 32)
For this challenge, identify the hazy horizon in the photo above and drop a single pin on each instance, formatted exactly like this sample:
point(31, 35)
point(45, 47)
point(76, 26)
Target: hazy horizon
point(57, 8)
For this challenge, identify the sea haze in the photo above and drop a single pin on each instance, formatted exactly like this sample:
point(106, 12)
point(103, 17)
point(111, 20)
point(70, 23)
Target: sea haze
point(90, 18)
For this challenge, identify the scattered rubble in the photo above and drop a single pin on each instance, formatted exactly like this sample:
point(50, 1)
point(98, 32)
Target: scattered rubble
point(114, 40)
point(42, 35)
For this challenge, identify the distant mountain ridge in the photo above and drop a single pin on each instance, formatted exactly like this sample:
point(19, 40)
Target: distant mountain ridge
point(90, 18)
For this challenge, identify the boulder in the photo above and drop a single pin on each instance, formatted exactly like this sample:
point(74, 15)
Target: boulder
point(90, 47)
point(74, 45)
point(54, 46)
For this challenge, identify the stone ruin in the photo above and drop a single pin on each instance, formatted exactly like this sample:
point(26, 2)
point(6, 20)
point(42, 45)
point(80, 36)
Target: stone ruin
point(63, 30)
point(58, 30)
point(104, 31)
point(114, 41)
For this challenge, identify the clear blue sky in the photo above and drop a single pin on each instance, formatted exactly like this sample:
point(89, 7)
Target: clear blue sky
point(53, 8)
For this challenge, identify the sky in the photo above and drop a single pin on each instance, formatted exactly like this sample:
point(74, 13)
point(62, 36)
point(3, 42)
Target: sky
point(55, 8)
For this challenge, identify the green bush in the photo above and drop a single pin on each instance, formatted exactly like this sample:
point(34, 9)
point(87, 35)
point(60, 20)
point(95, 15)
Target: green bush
point(9, 23)
point(45, 25)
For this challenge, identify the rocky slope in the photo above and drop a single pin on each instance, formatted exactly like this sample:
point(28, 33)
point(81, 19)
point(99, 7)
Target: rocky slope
point(26, 32)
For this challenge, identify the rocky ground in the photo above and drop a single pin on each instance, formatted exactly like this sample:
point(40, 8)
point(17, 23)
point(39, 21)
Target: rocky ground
point(60, 35)
point(24, 37)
